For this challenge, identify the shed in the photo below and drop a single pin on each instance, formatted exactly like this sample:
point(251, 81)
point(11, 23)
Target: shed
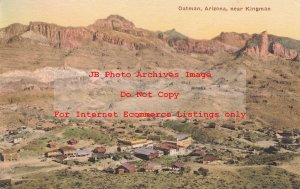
point(99, 150)
point(84, 153)
point(152, 166)
point(146, 153)
point(209, 158)
point(197, 152)
point(53, 153)
point(72, 141)
point(168, 148)
point(178, 165)
point(125, 168)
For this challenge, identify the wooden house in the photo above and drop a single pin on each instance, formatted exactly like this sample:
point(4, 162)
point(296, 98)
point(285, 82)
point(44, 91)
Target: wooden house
point(99, 150)
point(178, 166)
point(53, 153)
point(146, 153)
point(152, 166)
point(125, 168)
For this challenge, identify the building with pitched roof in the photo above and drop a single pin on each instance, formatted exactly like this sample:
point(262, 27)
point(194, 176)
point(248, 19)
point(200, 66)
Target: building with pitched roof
point(152, 166)
point(184, 140)
point(146, 153)
point(171, 149)
point(125, 168)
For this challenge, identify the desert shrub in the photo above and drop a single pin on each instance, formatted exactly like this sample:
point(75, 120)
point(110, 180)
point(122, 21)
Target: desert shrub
point(263, 158)
point(88, 133)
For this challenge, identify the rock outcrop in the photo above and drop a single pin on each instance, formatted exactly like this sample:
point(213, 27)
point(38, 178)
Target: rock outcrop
point(119, 31)
point(101, 30)
point(119, 40)
point(62, 37)
point(114, 30)
point(11, 31)
point(258, 45)
point(278, 50)
point(184, 44)
point(234, 39)
point(264, 44)
point(117, 23)
point(201, 46)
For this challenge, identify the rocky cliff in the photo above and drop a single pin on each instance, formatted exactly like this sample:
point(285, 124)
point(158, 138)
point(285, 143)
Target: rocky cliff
point(201, 46)
point(119, 31)
point(264, 44)
point(279, 50)
point(114, 29)
point(61, 36)
point(258, 45)
point(184, 44)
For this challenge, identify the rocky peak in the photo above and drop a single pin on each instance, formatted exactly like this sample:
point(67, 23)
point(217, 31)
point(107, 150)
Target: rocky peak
point(264, 44)
point(258, 45)
point(117, 18)
point(119, 31)
point(234, 39)
point(15, 29)
point(114, 22)
point(12, 31)
point(106, 30)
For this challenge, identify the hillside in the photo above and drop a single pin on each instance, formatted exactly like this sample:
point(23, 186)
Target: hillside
point(259, 73)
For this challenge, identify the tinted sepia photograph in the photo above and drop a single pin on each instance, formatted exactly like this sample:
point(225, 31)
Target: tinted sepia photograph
point(149, 94)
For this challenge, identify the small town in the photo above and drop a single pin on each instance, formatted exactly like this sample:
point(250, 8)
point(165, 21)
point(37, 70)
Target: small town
point(145, 146)
point(137, 94)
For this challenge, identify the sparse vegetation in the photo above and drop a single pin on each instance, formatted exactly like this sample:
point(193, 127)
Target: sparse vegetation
point(266, 177)
point(265, 158)
point(89, 133)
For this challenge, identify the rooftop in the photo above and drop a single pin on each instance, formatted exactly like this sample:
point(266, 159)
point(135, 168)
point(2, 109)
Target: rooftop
point(99, 149)
point(178, 164)
point(145, 151)
point(128, 166)
point(166, 146)
point(182, 136)
point(84, 152)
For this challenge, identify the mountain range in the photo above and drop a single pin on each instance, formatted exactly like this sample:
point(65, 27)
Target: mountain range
point(256, 72)
point(119, 31)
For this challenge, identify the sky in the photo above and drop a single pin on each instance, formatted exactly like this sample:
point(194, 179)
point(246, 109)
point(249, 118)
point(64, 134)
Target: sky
point(161, 15)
